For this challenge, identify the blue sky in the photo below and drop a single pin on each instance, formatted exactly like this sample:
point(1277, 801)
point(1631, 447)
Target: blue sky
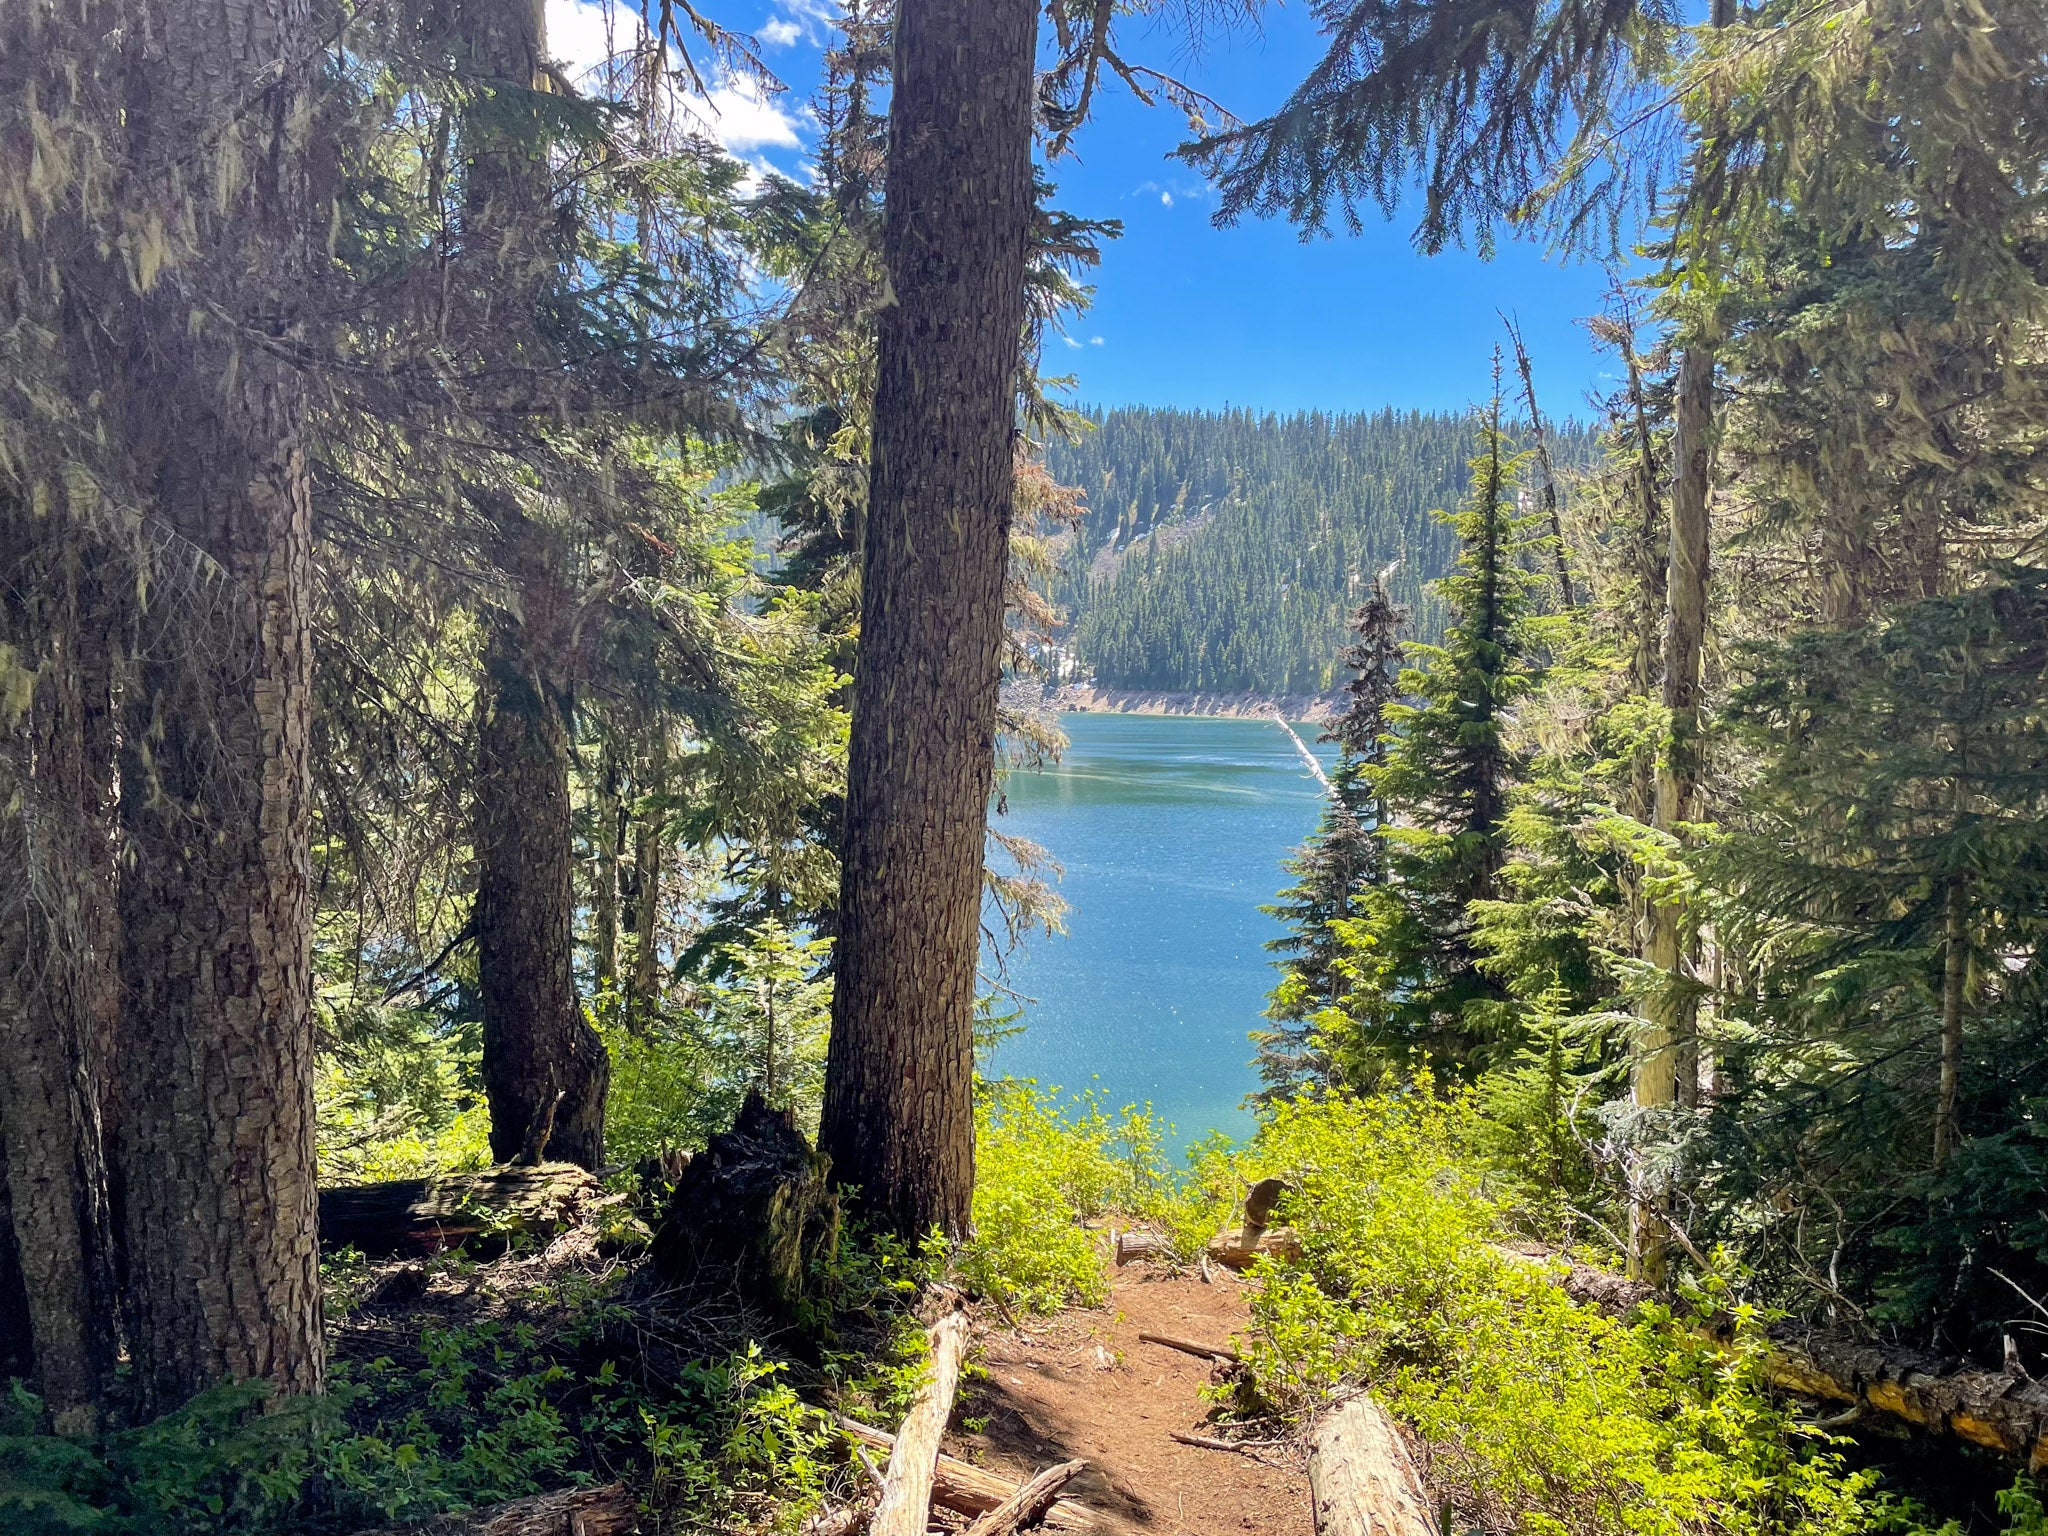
point(1187, 314)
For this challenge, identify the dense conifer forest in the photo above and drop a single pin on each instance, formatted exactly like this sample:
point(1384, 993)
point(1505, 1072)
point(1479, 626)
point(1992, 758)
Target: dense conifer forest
point(1221, 551)
point(494, 964)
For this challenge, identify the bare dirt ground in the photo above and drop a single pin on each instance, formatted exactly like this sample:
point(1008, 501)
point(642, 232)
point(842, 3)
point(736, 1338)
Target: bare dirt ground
point(1082, 1384)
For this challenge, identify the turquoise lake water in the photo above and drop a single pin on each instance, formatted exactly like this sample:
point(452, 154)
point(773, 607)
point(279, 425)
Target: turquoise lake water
point(1170, 831)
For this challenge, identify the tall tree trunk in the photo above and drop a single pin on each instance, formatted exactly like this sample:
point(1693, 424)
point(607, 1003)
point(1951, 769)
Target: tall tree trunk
point(1955, 973)
point(644, 999)
point(1666, 1067)
point(544, 1067)
point(608, 834)
point(898, 1118)
point(1551, 510)
point(17, 1333)
point(1651, 559)
point(54, 960)
point(216, 1053)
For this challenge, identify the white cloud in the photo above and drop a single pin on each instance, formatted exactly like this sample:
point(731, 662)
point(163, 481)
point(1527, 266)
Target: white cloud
point(806, 20)
point(1071, 342)
point(582, 36)
point(1165, 199)
point(742, 116)
point(1094, 341)
point(738, 112)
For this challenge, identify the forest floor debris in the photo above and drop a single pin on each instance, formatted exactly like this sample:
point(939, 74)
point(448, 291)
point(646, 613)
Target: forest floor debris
point(1047, 1396)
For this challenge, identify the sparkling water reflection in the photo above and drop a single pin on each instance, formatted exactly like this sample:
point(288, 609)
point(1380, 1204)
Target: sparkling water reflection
point(1170, 831)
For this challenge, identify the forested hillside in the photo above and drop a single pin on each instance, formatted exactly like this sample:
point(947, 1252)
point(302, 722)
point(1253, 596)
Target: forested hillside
point(1223, 551)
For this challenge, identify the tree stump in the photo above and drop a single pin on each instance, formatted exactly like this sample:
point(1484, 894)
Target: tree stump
point(754, 1211)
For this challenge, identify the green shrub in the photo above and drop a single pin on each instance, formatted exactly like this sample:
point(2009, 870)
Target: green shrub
point(1044, 1168)
point(1554, 1418)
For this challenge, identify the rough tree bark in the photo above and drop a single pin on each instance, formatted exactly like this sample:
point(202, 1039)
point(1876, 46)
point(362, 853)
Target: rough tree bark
point(898, 1119)
point(644, 993)
point(216, 1037)
point(1362, 1480)
point(544, 1067)
point(54, 1013)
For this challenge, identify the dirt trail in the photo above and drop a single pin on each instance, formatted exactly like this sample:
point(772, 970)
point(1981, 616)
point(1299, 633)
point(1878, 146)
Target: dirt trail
point(1082, 1384)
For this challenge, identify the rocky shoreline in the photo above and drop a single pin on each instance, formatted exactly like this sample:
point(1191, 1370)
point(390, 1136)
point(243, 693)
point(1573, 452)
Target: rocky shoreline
point(1085, 698)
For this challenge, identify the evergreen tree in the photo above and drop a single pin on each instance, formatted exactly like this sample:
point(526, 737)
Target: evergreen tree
point(1894, 865)
point(1341, 858)
point(1417, 993)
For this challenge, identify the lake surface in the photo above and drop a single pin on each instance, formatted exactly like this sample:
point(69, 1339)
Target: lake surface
point(1170, 831)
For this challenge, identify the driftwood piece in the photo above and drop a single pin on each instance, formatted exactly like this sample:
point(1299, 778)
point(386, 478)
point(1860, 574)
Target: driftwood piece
point(1227, 1248)
point(609, 1511)
point(1028, 1505)
point(970, 1490)
point(1190, 1347)
point(1362, 1480)
point(1911, 1388)
point(907, 1485)
point(753, 1211)
point(421, 1216)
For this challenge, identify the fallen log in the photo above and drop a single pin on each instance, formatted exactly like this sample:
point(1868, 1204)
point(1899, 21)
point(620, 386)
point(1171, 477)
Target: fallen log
point(967, 1489)
point(1190, 1347)
point(1911, 1387)
point(1028, 1505)
point(1208, 1443)
point(422, 1216)
point(1229, 1249)
point(609, 1511)
point(1362, 1480)
point(907, 1485)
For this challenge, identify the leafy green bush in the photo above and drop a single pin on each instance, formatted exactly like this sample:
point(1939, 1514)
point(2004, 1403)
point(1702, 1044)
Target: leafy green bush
point(1553, 1417)
point(1044, 1168)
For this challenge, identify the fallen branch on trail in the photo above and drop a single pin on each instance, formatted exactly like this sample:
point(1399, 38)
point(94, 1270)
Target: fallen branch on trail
point(1190, 1347)
point(1908, 1386)
point(422, 1216)
point(970, 1490)
point(1028, 1505)
point(1362, 1480)
point(907, 1485)
point(1212, 1443)
point(609, 1511)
